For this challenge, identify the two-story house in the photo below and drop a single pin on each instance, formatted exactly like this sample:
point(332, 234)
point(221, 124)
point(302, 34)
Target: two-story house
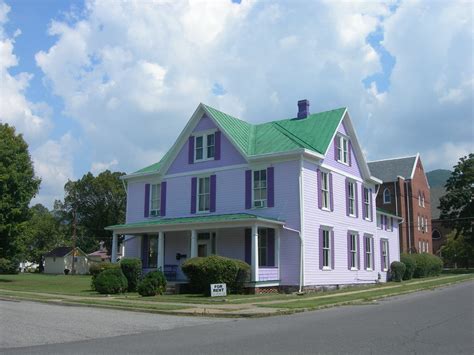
point(406, 193)
point(293, 198)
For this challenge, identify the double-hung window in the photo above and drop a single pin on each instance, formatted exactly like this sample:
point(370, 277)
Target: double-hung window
point(152, 251)
point(260, 188)
point(368, 253)
point(368, 212)
point(326, 249)
point(387, 197)
point(155, 199)
point(262, 247)
point(325, 190)
point(389, 223)
point(353, 251)
point(342, 150)
point(384, 255)
point(204, 194)
point(379, 221)
point(205, 147)
point(351, 196)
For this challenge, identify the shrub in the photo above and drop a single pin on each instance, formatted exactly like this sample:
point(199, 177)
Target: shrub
point(397, 269)
point(410, 265)
point(154, 283)
point(202, 272)
point(132, 269)
point(9, 266)
point(96, 268)
point(111, 281)
point(427, 265)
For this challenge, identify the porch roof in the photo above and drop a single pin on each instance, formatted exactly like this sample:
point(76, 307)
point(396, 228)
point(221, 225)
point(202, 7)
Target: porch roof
point(197, 222)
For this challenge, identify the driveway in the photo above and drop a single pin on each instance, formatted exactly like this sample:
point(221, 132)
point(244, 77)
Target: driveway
point(430, 322)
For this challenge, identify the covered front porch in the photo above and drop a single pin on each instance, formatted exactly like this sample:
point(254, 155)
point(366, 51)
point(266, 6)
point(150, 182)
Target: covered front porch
point(166, 243)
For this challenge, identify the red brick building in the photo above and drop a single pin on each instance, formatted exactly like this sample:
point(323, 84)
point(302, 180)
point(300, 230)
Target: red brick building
point(405, 192)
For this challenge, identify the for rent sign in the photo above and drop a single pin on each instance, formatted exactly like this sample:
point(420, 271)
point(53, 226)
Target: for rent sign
point(218, 290)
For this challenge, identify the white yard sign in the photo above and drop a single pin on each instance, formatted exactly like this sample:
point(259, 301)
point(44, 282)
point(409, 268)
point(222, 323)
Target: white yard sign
point(218, 290)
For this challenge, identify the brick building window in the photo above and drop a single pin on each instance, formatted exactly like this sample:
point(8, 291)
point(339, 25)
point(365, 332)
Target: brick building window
point(387, 196)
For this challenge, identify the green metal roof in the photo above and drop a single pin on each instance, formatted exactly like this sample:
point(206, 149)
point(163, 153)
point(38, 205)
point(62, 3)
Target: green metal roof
point(313, 132)
point(232, 217)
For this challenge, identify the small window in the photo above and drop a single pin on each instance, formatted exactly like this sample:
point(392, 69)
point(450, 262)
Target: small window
point(152, 252)
point(326, 249)
point(389, 223)
point(368, 212)
point(423, 200)
point(422, 224)
point(260, 188)
point(342, 150)
point(204, 194)
point(368, 253)
point(436, 234)
point(262, 247)
point(387, 196)
point(155, 199)
point(352, 202)
point(325, 190)
point(353, 251)
point(379, 221)
point(205, 147)
point(384, 255)
point(419, 199)
point(419, 222)
point(419, 246)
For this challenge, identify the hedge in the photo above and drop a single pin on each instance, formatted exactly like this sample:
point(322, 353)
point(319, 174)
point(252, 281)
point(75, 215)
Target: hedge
point(410, 265)
point(397, 269)
point(9, 266)
point(111, 281)
point(427, 265)
point(202, 272)
point(132, 269)
point(96, 268)
point(154, 283)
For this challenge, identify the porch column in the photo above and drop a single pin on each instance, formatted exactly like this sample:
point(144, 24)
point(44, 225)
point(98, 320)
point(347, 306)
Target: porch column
point(114, 248)
point(194, 243)
point(254, 253)
point(277, 250)
point(160, 263)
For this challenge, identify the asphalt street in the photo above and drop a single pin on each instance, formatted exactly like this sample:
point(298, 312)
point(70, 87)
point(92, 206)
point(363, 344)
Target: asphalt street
point(429, 322)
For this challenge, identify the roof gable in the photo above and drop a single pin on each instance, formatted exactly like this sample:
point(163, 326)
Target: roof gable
point(388, 170)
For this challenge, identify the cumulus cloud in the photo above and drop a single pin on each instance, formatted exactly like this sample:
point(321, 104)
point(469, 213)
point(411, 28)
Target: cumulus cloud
point(98, 167)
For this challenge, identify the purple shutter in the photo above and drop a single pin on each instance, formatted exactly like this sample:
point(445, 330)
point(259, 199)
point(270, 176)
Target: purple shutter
point(356, 200)
point(364, 253)
point(248, 246)
point(145, 250)
point(373, 252)
point(358, 251)
point(391, 223)
point(333, 262)
point(217, 153)
point(213, 194)
point(349, 153)
point(381, 254)
point(193, 194)
point(146, 209)
point(320, 248)
point(320, 202)
point(270, 187)
point(349, 250)
point(191, 150)
point(271, 246)
point(388, 253)
point(248, 189)
point(347, 197)
point(163, 199)
point(370, 206)
point(386, 223)
point(362, 198)
point(331, 193)
point(336, 145)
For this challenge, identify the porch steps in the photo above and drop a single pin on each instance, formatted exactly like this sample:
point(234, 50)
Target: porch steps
point(170, 289)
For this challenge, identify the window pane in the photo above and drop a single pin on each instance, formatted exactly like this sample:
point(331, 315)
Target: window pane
point(210, 139)
point(210, 152)
point(199, 142)
point(199, 152)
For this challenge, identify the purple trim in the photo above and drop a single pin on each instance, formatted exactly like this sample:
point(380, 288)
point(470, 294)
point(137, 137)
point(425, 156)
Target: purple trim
point(381, 254)
point(163, 199)
point(217, 153)
point(349, 153)
point(348, 250)
point(388, 254)
point(336, 145)
point(271, 247)
point(331, 193)
point(320, 202)
point(373, 252)
point(362, 190)
point(347, 197)
point(370, 206)
point(248, 189)
point(333, 261)
point(270, 186)
point(320, 248)
point(248, 246)
point(356, 195)
point(213, 194)
point(193, 194)
point(358, 251)
point(364, 253)
point(191, 150)
point(146, 209)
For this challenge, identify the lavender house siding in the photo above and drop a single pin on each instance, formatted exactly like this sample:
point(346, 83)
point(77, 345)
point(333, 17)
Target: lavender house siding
point(177, 242)
point(229, 156)
point(204, 124)
point(393, 242)
point(132, 247)
point(230, 243)
point(289, 258)
point(267, 274)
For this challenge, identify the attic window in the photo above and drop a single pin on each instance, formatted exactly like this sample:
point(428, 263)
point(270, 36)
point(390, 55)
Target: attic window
point(342, 150)
point(205, 147)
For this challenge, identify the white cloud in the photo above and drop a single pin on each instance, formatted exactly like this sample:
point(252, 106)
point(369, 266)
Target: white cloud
point(98, 167)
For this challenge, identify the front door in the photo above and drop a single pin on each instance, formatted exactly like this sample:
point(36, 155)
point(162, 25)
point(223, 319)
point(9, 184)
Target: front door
point(205, 244)
point(203, 250)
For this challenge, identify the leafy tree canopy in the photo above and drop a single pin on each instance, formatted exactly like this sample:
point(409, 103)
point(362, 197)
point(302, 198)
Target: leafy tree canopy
point(458, 251)
point(457, 206)
point(18, 185)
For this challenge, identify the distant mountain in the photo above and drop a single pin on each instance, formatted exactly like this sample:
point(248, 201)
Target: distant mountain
point(438, 178)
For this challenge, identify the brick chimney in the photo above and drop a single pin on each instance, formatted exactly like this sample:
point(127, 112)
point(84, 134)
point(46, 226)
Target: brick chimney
point(303, 109)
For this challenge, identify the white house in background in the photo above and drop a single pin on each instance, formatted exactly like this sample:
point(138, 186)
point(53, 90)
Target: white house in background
point(59, 259)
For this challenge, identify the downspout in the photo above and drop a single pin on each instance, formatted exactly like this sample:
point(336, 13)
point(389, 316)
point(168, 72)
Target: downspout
point(408, 217)
point(301, 231)
point(396, 197)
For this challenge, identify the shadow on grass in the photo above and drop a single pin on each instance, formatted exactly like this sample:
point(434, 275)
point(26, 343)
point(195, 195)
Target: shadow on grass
point(5, 280)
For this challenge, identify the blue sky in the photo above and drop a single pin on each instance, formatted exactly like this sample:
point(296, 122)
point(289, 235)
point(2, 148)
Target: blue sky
point(97, 85)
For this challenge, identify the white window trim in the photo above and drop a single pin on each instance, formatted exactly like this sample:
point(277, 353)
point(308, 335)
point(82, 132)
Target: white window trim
point(197, 194)
point(369, 242)
point(354, 187)
point(329, 249)
point(356, 236)
point(340, 149)
point(389, 224)
point(385, 267)
point(150, 197)
point(368, 214)
point(328, 208)
point(253, 189)
point(390, 196)
point(204, 135)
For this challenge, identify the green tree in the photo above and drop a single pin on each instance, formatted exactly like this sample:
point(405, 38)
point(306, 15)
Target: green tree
point(18, 185)
point(457, 206)
point(97, 201)
point(41, 233)
point(457, 250)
